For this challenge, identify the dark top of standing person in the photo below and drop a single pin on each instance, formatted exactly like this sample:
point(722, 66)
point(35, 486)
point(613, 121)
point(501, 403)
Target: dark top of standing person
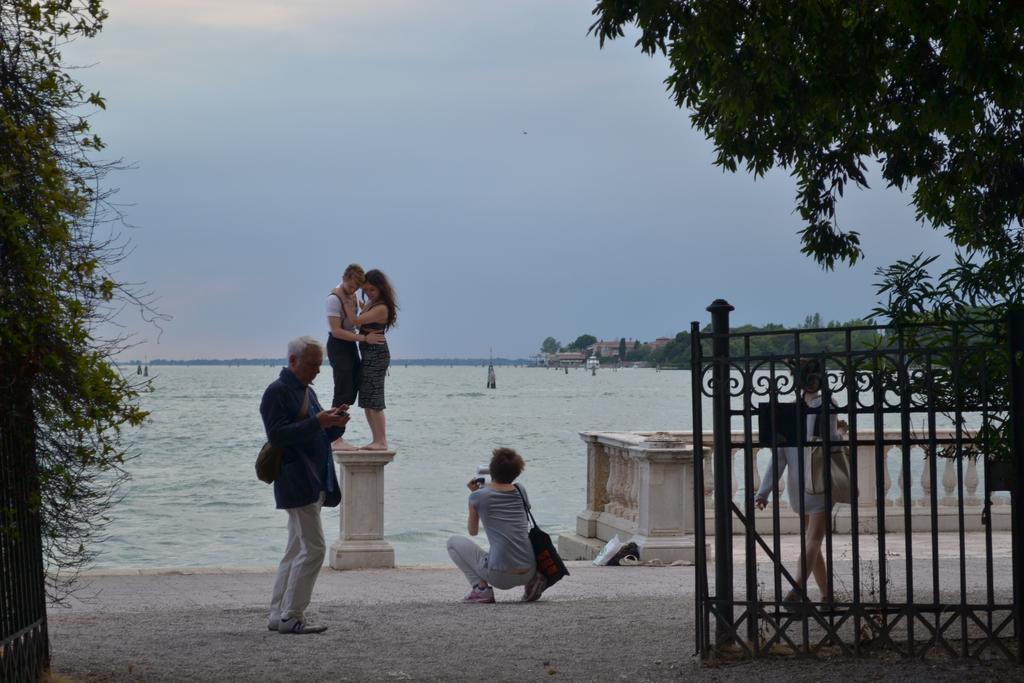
point(306, 468)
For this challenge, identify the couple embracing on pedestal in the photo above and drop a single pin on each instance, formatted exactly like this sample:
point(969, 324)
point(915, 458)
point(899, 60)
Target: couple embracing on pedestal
point(360, 370)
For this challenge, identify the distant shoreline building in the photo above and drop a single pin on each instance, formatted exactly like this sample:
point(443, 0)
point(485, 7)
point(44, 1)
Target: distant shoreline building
point(606, 348)
point(561, 359)
point(610, 348)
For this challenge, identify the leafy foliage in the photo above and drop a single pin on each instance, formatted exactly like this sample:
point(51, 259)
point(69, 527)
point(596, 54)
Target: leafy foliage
point(58, 246)
point(933, 91)
point(956, 339)
point(638, 354)
point(815, 337)
point(550, 345)
point(582, 342)
point(676, 353)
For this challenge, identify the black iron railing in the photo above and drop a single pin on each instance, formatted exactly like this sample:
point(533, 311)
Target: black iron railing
point(24, 644)
point(951, 390)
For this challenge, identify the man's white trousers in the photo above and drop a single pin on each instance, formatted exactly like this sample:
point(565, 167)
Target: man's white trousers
point(301, 563)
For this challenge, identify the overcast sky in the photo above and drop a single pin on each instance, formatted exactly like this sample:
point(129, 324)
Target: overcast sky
point(513, 180)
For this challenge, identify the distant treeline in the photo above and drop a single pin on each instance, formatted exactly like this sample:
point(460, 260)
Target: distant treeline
point(677, 352)
point(282, 361)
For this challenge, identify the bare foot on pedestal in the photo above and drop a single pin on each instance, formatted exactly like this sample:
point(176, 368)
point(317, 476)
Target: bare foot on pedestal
point(342, 445)
point(374, 446)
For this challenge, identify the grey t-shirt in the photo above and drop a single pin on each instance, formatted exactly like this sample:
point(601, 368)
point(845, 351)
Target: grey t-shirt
point(507, 526)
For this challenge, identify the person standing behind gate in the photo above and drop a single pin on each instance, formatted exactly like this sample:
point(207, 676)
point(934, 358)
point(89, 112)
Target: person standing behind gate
point(295, 422)
point(341, 343)
point(811, 506)
point(379, 315)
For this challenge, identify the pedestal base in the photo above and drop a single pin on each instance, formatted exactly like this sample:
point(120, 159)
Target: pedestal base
point(578, 547)
point(362, 555)
point(666, 549)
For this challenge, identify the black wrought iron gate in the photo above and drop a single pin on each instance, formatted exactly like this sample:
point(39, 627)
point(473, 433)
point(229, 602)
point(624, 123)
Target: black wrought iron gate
point(916, 572)
point(24, 646)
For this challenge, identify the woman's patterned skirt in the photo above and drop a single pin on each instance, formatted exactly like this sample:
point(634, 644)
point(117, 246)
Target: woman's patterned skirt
point(376, 359)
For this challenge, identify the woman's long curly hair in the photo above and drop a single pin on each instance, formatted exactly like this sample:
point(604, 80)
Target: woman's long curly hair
point(386, 294)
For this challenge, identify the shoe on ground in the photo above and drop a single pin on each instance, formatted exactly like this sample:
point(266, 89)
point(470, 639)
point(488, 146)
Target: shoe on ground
point(298, 627)
point(482, 596)
point(273, 624)
point(534, 588)
point(792, 601)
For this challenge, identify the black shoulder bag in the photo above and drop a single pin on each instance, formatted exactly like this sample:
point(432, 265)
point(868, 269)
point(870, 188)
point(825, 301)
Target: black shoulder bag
point(549, 563)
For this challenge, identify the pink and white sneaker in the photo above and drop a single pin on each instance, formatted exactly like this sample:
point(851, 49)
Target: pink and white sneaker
point(483, 596)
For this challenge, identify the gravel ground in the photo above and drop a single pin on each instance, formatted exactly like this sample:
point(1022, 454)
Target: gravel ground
point(407, 624)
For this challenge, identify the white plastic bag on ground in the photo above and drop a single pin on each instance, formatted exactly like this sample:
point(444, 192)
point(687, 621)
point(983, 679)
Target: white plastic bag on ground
point(608, 551)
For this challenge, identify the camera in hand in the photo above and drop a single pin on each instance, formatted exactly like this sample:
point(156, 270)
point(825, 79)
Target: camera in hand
point(481, 476)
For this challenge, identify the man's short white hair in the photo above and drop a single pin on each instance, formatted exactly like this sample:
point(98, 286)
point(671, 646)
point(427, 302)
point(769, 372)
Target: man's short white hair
point(297, 347)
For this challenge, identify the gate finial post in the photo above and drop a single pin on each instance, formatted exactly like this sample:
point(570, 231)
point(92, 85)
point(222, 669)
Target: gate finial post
point(722, 426)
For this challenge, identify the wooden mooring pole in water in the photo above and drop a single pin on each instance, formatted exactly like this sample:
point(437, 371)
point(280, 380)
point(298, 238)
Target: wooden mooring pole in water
point(492, 382)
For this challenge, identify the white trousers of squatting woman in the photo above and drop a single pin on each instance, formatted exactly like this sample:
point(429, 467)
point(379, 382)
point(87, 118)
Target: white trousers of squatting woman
point(472, 560)
point(303, 558)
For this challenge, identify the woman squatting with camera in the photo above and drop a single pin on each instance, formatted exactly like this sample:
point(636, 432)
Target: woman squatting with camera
point(501, 507)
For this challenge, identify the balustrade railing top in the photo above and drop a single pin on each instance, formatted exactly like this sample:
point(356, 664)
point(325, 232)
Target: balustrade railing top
point(640, 483)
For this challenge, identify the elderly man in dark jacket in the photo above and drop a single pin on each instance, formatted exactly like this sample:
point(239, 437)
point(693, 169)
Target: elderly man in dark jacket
point(296, 422)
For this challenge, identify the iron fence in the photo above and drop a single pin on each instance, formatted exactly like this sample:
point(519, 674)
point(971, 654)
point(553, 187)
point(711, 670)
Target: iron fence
point(24, 643)
point(944, 391)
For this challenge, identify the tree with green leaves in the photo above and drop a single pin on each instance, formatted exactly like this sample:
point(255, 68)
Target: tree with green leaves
point(63, 402)
point(676, 353)
point(933, 92)
point(639, 352)
point(622, 349)
point(550, 345)
point(582, 342)
point(813, 321)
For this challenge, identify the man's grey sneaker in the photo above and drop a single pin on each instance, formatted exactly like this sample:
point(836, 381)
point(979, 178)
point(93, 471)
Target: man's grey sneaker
point(298, 626)
point(534, 588)
point(272, 624)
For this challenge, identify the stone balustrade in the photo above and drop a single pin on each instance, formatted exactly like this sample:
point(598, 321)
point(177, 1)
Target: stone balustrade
point(640, 487)
point(892, 475)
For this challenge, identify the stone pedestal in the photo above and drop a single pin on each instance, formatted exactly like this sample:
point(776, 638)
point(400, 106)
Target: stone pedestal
point(361, 544)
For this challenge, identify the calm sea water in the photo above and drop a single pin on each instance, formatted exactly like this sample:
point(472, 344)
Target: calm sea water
point(194, 499)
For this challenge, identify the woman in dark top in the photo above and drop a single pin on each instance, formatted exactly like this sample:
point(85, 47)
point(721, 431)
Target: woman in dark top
point(379, 315)
point(809, 375)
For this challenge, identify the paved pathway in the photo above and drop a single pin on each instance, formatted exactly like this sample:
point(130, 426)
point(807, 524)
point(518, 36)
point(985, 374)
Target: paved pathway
point(599, 624)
